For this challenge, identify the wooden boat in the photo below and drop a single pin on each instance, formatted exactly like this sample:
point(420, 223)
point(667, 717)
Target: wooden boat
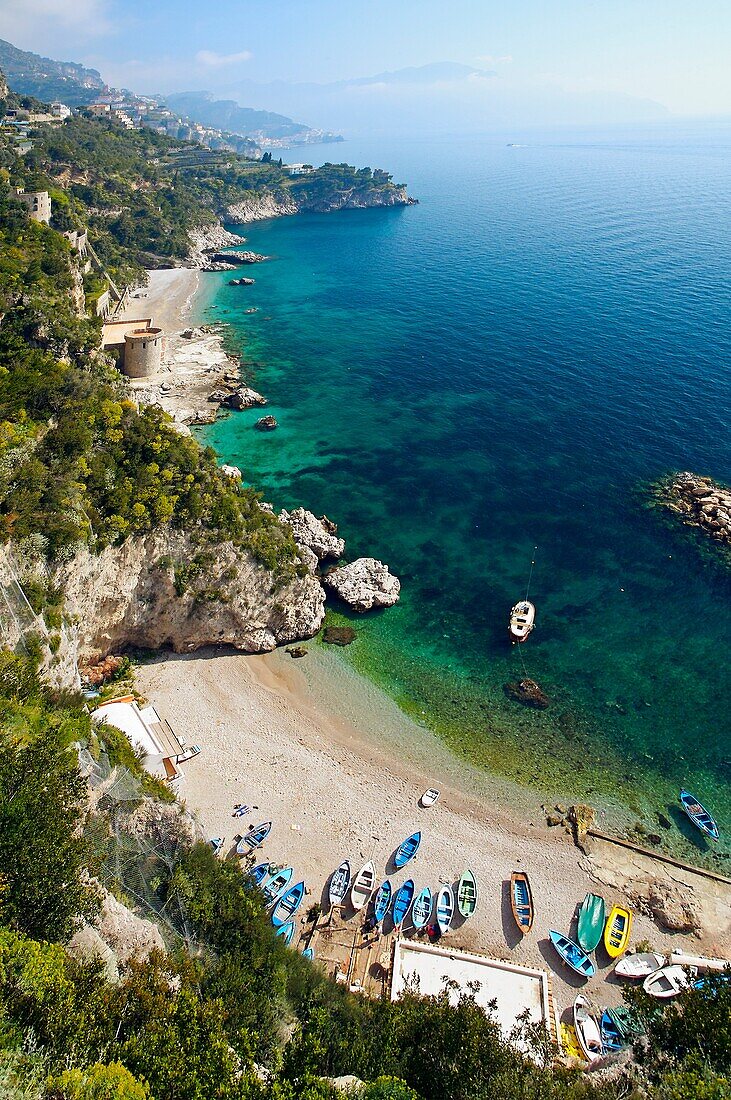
point(444, 909)
point(429, 798)
point(587, 1030)
point(521, 901)
point(573, 955)
point(590, 925)
point(611, 1037)
point(407, 849)
point(277, 885)
point(362, 887)
point(522, 621)
point(288, 904)
point(382, 900)
point(308, 953)
point(640, 965)
point(402, 902)
point(253, 838)
point(286, 931)
point(699, 815)
point(339, 883)
point(617, 931)
point(259, 873)
point(667, 982)
point(421, 909)
point(467, 894)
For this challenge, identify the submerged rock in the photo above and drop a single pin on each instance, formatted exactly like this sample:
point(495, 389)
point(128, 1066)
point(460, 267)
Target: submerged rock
point(364, 584)
point(528, 693)
point(266, 424)
point(297, 651)
point(339, 635)
point(699, 502)
point(318, 535)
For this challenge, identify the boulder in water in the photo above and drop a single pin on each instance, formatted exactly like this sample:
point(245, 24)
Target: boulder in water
point(528, 693)
point(364, 584)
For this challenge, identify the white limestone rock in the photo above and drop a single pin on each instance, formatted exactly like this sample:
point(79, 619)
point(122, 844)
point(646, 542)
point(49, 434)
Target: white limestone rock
point(318, 535)
point(364, 584)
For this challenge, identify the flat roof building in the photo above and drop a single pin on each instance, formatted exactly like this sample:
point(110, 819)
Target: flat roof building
point(153, 739)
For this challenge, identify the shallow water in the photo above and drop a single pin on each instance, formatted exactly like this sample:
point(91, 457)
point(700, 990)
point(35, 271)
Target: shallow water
point(505, 366)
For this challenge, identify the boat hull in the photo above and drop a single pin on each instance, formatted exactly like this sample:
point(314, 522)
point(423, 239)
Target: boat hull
point(382, 901)
point(590, 925)
point(617, 931)
point(403, 898)
point(573, 955)
point(444, 909)
point(288, 904)
point(339, 883)
point(467, 894)
point(421, 909)
point(699, 815)
point(407, 850)
point(521, 901)
point(362, 887)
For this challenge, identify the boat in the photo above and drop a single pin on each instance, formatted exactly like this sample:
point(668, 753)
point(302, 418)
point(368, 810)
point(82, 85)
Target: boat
point(467, 893)
point(699, 815)
point(382, 900)
point(700, 962)
point(288, 904)
point(712, 982)
point(362, 887)
point(421, 909)
point(259, 873)
point(286, 931)
point(611, 1036)
point(444, 909)
point(217, 843)
point(277, 884)
point(402, 902)
point(667, 982)
point(640, 965)
point(521, 901)
point(522, 621)
point(429, 798)
point(626, 1022)
point(339, 883)
point(308, 953)
point(587, 1030)
point(616, 933)
point(590, 925)
point(573, 955)
point(253, 838)
point(407, 849)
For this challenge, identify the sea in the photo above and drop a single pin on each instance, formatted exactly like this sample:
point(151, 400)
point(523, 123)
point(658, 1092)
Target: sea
point(481, 390)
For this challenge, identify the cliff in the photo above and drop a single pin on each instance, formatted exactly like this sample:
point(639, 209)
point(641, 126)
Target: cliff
point(257, 207)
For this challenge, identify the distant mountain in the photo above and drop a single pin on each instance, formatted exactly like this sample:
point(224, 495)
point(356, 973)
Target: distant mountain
point(29, 74)
point(226, 114)
point(437, 72)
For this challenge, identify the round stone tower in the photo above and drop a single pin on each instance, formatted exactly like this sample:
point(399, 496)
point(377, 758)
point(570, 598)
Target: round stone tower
point(142, 352)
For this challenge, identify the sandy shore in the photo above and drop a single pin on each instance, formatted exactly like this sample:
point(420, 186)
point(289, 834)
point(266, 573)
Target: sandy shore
point(335, 788)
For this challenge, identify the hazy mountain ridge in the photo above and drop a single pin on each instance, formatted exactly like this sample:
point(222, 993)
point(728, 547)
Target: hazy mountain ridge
point(30, 74)
point(261, 125)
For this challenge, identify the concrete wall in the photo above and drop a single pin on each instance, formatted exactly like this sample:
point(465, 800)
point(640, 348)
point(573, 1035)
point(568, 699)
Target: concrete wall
point(143, 352)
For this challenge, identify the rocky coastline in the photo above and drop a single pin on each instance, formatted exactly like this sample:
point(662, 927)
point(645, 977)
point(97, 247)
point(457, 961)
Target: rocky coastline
point(701, 503)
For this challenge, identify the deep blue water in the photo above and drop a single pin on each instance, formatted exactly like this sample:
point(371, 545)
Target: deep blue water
point(507, 365)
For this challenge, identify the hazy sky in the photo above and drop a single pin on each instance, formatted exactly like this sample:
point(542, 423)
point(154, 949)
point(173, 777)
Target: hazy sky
point(674, 52)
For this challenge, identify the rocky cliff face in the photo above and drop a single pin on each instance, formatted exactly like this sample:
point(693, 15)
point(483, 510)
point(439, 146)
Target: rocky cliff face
point(259, 207)
point(270, 205)
point(149, 592)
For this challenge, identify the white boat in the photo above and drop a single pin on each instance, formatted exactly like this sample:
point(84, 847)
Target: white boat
point(363, 884)
point(429, 797)
point(699, 962)
point(640, 965)
point(522, 620)
point(668, 982)
point(587, 1030)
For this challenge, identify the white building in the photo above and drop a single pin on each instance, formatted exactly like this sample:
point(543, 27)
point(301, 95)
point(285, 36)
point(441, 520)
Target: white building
point(154, 740)
point(60, 110)
point(37, 203)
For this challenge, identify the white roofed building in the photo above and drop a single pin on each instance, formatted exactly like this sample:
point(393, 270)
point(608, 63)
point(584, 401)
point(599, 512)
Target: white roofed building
point(151, 737)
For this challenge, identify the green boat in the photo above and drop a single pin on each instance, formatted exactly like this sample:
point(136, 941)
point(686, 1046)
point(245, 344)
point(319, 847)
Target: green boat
point(591, 922)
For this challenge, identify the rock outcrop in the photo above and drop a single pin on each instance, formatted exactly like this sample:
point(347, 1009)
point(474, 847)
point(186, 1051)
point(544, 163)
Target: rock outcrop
point(145, 593)
point(266, 424)
point(318, 535)
point(259, 207)
point(364, 584)
point(206, 239)
point(673, 907)
point(699, 502)
point(244, 398)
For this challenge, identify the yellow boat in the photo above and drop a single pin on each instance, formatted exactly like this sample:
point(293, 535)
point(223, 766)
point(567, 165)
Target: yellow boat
point(617, 931)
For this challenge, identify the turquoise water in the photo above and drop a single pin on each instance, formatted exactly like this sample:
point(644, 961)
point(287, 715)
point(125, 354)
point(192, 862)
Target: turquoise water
point(506, 366)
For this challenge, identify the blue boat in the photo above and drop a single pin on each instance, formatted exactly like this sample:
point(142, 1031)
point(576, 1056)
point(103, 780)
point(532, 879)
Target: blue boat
point(277, 884)
point(421, 909)
point(407, 849)
point(402, 902)
point(612, 1038)
point(573, 955)
point(699, 815)
point(253, 838)
point(258, 874)
point(382, 900)
point(339, 883)
point(286, 931)
point(308, 953)
point(288, 904)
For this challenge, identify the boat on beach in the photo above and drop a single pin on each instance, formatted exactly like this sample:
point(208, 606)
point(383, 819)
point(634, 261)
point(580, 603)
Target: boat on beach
point(259, 873)
point(402, 902)
point(407, 849)
point(288, 904)
point(429, 798)
point(253, 838)
point(668, 982)
point(640, 965)
point(308, 953)
point(286, 931)
point(611, 1036)
point(217, 843)
point(617, 931)
point(276, 885)
point(467, 893)
point(590, 924)
point(339, 883)
point(363, 884)
point(699, 815)
point(382, 900)
point(421, 909)
point(573, 955)
point(444, 909)
point(587, 1030)
point(521, 901)
point(522, 621)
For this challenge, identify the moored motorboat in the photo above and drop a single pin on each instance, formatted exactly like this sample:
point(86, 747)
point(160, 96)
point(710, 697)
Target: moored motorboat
point(667, 982)
point(590, 924)
point(467, 893)
point(617, 931)
point(259, 873)
point(522, 621)
point(362, 887)
point(288, 904)
point(382, 900)
point(573, 955)
point(339, 883)
point(521, 901)
point(587, 1030)
point(407, 849)
point(444, 908)
point(421, 908)
point(286, 931)
point(640, 965)
point(429, 798)
point(402, 902)
point(276, 885)
point(699, 815)
point(253, 838)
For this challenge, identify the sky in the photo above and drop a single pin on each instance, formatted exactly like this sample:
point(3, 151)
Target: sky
point(540, 58)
